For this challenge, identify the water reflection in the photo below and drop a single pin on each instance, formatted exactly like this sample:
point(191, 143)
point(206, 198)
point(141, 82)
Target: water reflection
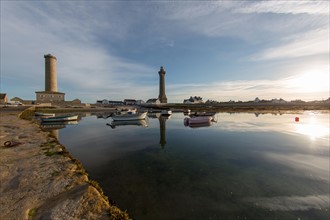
point(162, 128)
point(53, 127)
point(115, 124)
point(310, 125)
point(254, 167)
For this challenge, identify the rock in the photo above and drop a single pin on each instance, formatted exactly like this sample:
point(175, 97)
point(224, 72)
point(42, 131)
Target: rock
point(39, 182)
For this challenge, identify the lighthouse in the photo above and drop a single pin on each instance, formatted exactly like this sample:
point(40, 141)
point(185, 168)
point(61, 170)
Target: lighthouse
point(50, 73)
point(162, 96)
point(50, 95)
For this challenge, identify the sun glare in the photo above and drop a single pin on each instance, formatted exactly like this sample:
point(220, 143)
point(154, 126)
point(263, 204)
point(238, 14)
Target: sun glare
point(313, 128)
point(310, 81)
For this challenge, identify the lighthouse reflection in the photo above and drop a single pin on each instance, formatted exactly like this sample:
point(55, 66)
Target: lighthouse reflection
point(162, 128)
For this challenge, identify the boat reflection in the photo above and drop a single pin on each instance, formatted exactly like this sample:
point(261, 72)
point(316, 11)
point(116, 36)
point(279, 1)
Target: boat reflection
point(53, 127)
point(115, 124)
point(199, 125)
point(103, 115)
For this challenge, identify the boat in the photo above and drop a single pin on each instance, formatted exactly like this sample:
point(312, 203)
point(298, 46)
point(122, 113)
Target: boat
point(166, 112)
point(199, 125)
point(60, 118)
point(197, 114)
point(40, 114)
point(129, 116)
point(127, 111)
point(186, 112)
point(197, 120)
point(115, 124)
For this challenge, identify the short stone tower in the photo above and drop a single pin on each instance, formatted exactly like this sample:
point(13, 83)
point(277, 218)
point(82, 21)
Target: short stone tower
point(162, 97)
point(50, 73)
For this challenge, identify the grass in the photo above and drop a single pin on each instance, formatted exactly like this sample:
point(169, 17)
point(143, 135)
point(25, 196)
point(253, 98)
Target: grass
point(32, 213)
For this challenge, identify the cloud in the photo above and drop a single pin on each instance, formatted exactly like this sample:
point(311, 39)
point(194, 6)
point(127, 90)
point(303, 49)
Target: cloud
point(286, 7)
point(83, 64)
point(290, 88)
point(315, 42)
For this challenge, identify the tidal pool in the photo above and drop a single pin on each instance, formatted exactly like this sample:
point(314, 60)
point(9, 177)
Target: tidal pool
point(243, 166)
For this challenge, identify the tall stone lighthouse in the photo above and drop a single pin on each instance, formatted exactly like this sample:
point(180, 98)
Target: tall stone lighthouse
point(50, 95)
point(50, 73)
point(162, 97)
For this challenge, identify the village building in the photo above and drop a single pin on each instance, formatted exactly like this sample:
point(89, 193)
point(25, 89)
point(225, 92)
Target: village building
point(130, 102)
point(3, 98)
point(193, 100)
point(278, 101)
point(153, 101)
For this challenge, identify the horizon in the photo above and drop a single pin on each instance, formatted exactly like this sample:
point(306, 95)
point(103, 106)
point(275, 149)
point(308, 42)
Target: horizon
point(223, 50)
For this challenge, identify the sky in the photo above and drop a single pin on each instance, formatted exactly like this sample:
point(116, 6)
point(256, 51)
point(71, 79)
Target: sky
point(219, 50)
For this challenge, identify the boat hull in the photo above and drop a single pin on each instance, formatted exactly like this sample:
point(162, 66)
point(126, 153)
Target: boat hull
point(40, 114)
point(198, 120)
point(60, 118)
point(129, 117)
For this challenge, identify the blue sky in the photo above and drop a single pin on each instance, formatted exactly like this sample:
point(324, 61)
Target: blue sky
point(220, 50)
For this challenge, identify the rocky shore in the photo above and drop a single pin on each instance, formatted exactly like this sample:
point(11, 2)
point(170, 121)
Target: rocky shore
point(40, 180)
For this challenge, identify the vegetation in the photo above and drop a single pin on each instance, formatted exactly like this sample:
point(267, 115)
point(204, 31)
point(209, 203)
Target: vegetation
point(31, 213)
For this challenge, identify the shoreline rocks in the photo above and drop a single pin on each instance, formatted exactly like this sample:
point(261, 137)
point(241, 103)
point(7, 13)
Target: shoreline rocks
point(40, 179)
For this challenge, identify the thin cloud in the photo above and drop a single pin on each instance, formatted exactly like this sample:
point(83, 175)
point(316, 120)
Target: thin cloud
point(315, 42)
point(286, 7)
point(248, 90)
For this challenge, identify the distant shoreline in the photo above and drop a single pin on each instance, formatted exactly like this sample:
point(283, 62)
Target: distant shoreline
point(178, 107)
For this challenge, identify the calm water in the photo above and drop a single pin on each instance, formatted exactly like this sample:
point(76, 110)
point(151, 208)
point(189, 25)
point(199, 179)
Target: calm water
point(244, 166)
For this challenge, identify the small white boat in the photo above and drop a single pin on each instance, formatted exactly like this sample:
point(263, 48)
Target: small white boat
point(197, 120)
point(129, 116)
point(166, 112)
point(60, 118)
point(40, 114)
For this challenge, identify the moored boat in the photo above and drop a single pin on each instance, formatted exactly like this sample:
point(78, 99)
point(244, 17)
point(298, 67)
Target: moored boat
point(166, 112)
point(40, 114)
point(197, 114)
point(197, 120)
point(60, 118)
point(129, 116)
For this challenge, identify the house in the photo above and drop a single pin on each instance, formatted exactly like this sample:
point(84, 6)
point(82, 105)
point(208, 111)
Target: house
point(278, 101)
point(129, 101)
point(103, 102)
point(116, 103)
point(257, 100)
point(139, 102)
point(3, 98)
point(76, 101)
point(193, 100)
point(153, 101)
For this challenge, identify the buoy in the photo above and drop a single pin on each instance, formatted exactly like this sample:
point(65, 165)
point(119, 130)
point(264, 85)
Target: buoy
point(296, 119)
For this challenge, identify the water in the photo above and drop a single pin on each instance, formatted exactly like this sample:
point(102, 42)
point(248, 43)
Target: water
point(244, 166)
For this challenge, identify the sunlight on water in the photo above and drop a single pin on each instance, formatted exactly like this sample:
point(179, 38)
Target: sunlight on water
point(313, 127)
